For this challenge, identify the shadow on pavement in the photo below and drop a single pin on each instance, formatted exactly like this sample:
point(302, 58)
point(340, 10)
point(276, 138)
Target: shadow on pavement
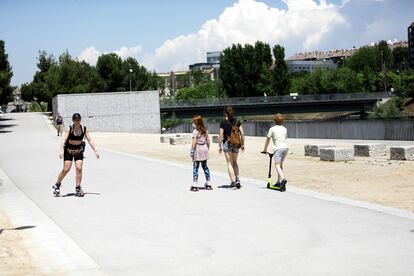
point(227, 187)
point(73, 194)
point(17, 228)
point(6, 119)
point(2, 125)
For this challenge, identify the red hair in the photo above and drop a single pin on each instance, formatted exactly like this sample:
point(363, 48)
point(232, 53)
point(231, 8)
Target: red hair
point(198, 121)
point(279, 119)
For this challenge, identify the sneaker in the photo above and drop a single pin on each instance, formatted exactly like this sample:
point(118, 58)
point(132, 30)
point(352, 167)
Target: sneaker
point(283, 185)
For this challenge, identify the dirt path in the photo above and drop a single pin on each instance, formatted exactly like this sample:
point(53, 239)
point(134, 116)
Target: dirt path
point(379, 180)
point(14, 258)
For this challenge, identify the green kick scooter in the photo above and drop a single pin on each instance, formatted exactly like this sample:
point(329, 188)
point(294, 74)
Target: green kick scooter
point(276, 186)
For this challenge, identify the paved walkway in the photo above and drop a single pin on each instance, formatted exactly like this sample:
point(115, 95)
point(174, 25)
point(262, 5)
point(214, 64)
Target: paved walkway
point(138, 218)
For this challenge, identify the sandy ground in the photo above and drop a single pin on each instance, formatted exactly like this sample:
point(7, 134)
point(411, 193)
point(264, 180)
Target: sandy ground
point(14, 258)
point(376, 180)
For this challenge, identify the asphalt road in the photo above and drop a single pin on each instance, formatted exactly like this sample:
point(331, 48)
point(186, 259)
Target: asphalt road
point(139, 218)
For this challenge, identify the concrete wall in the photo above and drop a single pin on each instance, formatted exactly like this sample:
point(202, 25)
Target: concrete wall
point(112, 112)
point(376, 129)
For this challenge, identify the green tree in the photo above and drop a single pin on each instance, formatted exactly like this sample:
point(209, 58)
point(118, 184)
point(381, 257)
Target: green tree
point(389, 109)
point(207, 90)
point(241, 68)
point(384, 58)
point(265, 84)
point(38, 89)
point(400, 57)
point(6, 74)
point(366, 58)
point(66, 76)
point(281, 81)
point(112, 72)
point(407, 83)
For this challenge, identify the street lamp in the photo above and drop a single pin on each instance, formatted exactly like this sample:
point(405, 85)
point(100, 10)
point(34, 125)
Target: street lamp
point(130, 83)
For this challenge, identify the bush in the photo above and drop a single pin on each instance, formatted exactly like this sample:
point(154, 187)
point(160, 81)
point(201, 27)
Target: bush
point(37, 107)
point(390, 109)
point(206, 90)
point(168, 123)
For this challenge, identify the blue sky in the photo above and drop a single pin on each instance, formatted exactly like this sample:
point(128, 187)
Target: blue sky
point(166, 35)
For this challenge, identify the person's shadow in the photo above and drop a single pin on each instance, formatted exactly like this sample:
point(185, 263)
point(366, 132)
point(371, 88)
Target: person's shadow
point(73, 194)
point(17, 228)
point(227, 187)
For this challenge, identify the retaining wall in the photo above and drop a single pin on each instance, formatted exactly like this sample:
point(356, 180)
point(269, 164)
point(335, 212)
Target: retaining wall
point(137, 111)
point(371, 129)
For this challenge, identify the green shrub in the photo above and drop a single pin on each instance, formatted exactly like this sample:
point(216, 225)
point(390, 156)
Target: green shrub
point(37, 107)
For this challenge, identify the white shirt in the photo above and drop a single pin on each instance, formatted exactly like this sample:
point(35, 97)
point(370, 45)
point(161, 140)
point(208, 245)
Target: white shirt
point(279, 136)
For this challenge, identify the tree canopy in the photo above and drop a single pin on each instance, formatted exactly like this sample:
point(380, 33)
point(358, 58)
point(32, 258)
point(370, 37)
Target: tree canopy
point(69, 75)
point(6, 74)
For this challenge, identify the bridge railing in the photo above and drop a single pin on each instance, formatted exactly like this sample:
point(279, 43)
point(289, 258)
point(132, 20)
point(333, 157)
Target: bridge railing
point(171, 103)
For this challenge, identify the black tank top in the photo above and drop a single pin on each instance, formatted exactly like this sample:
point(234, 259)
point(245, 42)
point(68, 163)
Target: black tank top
point(74, 137)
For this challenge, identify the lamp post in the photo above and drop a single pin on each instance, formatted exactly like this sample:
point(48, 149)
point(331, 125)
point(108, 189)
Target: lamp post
point(130, 82)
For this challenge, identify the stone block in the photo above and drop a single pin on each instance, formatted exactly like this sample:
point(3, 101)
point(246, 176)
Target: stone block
point(165, 138)
point(181, 140)
point(402, 153)
point(336, 154)
point(314, 150)
point(370, 150)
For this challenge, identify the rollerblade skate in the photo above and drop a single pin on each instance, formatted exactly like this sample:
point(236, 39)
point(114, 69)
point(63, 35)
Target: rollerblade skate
point(56, 188)
point(79, 192)
point(208, 186)
point(238, 185)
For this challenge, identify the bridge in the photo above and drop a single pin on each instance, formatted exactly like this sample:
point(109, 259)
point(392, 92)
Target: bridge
point(250, 106)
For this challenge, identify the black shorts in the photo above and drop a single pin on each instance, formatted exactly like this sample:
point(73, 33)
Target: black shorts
point(69, 157)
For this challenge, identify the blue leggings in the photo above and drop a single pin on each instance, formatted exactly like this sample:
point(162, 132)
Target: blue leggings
point(196, 165)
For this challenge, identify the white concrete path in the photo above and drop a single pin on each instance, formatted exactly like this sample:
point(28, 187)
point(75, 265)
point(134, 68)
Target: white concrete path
point(138, 218)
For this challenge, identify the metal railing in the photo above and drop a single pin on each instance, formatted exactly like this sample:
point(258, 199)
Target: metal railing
point(171, 103)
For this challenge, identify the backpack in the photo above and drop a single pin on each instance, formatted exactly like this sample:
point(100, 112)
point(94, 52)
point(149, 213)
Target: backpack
point(235, 139)
point(59, 120)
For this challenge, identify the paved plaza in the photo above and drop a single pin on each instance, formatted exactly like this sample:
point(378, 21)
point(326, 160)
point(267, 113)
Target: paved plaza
point(138, 217)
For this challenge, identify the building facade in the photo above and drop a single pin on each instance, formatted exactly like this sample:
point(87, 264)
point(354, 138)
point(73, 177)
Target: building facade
point(213, 62)
point(295, 66)
point(213, 57)
point(411, 45)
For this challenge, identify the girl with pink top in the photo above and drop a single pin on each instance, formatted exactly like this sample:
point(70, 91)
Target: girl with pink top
point(199, 152)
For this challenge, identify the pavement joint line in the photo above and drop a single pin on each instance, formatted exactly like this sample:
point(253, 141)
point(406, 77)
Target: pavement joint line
point(50, 248)
point(300, 191)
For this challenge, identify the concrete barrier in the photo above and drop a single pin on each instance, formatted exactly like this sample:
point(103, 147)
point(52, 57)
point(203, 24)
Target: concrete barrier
point(314, 150)
point(402, 153)
point(180, 140)
point(370, 150)
point(336, 154)
point(165, 138)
